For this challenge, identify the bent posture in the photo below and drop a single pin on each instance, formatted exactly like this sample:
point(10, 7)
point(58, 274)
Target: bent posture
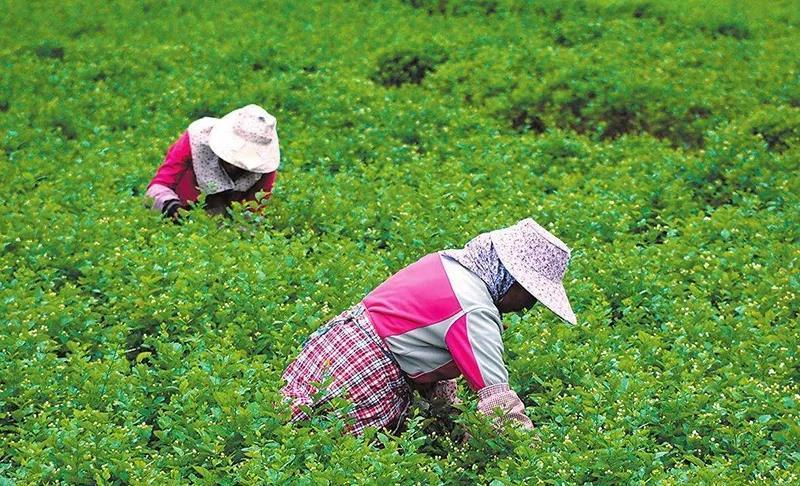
point(229, 159)
point(429, 323)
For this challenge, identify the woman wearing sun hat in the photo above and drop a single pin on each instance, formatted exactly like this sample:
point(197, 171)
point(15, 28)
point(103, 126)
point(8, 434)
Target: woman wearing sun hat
point(432, 321)
point(229, 159)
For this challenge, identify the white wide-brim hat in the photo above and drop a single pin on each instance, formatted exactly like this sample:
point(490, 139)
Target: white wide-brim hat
point(537, 260)
point(248, 139)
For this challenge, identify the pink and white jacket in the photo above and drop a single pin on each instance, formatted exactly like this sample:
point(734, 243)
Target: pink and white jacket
point(438, 320)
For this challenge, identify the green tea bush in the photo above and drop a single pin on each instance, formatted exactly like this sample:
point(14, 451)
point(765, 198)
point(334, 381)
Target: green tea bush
point(405, 66)
point(456, 7)
point(659, 140)
point(778, 126)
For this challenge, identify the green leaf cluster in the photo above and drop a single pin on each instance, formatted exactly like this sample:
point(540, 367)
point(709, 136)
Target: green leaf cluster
point(660, 140)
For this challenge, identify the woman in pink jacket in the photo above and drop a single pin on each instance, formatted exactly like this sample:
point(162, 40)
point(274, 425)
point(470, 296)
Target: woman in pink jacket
point(432, 321)
point(229, 159)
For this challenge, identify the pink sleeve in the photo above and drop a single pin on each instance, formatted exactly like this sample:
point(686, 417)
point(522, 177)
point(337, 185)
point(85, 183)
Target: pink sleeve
point(160, 195)
point(177, 160)
point(475, 343)
point(501, 397)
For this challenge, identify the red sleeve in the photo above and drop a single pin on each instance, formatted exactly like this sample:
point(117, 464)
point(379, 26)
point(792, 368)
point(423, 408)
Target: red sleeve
point(177, 160)
point(264, 184)
point(268, 182)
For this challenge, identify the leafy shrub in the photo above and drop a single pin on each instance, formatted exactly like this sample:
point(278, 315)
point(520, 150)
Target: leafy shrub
point(665, 155)
point(396, 68)
point(50, 50)
point(456, 7)
point(778, 126)
point(736, 30)
point(607, 107)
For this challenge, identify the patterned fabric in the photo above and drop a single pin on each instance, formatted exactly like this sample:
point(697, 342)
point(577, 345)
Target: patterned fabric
point(480, 257)
point(348, 351)
point(538, 261)
point(211, 177)
point(502, 397)
point(443, 392)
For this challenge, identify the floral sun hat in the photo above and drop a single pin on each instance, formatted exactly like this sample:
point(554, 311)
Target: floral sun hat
point(537, 260)
point(248, 139)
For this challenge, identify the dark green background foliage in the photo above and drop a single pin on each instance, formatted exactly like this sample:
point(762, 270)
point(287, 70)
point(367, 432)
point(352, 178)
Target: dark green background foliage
point(661, 140)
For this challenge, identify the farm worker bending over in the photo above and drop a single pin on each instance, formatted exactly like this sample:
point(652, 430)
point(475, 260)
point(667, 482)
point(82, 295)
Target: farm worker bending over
point(432, 321)
point(229, 159)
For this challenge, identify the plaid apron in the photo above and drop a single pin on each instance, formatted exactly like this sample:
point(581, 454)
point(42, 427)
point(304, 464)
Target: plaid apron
point(349, 353)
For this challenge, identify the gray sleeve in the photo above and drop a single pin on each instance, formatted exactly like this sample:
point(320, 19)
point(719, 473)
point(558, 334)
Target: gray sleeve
point(483, 329)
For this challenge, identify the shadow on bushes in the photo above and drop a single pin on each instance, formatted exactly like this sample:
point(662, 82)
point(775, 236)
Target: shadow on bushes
point(737, 30)
point(64, 127)
point(608, 109)
point(457, 8)
point(404, 66)
point(49, 50)
point(779, 127)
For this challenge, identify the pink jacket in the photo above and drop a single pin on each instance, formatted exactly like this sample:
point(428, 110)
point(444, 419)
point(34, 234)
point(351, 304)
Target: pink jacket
point(175, 178)
point(439, 321)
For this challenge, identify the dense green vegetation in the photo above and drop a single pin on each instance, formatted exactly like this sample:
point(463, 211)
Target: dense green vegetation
point(661, 140)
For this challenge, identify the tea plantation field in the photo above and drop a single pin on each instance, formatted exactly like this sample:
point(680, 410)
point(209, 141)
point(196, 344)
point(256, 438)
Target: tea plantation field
point(660, 140)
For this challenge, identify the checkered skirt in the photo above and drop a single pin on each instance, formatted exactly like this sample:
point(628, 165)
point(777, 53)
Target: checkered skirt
point(348, 352)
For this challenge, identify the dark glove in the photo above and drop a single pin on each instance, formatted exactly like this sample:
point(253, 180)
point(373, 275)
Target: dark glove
point(219, 203)
point(170, 209)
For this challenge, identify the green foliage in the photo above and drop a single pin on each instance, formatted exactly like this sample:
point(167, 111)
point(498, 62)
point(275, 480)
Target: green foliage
point(660, 140)
point(456, 7)
point(405, 66)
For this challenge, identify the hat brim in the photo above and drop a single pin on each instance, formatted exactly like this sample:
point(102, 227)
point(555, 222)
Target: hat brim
point(251, 157)
point(551, 294)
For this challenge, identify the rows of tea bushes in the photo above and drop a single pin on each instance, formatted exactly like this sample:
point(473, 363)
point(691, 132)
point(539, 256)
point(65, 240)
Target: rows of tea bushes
point(660, 140)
